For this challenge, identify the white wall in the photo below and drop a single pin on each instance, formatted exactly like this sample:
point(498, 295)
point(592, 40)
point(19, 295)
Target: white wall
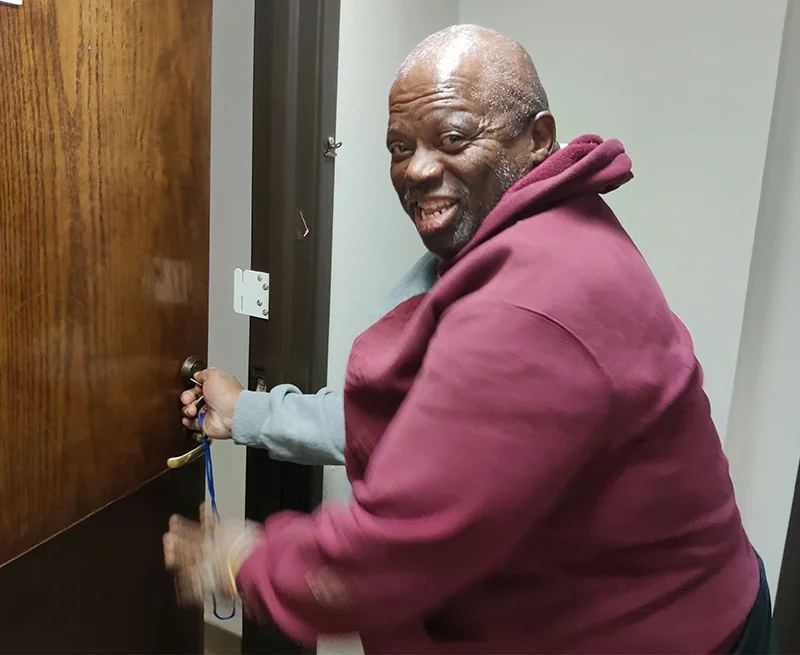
point(688, 87)
point(764, 429)
point(231, 175)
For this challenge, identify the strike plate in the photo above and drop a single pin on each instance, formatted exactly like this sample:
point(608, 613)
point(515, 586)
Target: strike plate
point(251, 293)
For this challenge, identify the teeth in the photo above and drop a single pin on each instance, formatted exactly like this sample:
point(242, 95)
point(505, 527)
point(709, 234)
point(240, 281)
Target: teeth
point(433, 205)
point(433, 208)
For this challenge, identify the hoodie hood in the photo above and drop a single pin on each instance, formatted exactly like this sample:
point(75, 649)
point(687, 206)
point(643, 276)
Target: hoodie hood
point(586, 165)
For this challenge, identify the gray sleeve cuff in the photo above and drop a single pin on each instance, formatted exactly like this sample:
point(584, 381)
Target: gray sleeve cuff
point(252, 410)
point(292, 426)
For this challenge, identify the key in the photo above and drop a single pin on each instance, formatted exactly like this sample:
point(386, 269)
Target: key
point(201, 400)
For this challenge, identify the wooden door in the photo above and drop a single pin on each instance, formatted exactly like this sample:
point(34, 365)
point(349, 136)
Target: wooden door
point(104, 208)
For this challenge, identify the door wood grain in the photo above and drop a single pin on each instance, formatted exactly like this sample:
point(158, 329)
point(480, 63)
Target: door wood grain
point(104, 208)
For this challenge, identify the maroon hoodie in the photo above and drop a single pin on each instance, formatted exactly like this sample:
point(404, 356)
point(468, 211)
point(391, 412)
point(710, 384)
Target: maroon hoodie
point(532, 455)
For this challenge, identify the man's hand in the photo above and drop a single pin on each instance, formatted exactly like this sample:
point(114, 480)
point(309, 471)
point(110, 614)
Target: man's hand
point(205, 557)
point(220, 391)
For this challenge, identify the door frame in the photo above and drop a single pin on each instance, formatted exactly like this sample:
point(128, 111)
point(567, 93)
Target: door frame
point(295, 67)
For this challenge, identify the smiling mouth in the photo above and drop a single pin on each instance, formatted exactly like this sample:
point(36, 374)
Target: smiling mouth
point(434, 214)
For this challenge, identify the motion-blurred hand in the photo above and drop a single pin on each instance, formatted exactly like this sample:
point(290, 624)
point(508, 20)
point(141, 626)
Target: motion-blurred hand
point(220, 391)
point(205, 557)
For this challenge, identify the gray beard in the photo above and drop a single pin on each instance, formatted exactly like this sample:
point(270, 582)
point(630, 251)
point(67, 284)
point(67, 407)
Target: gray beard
point(505, 176)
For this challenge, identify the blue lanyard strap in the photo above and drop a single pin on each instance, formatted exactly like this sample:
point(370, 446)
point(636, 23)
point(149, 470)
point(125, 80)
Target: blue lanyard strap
point(212, 494)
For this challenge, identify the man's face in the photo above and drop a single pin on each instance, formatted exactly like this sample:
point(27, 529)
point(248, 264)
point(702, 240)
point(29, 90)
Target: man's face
point(453, 157)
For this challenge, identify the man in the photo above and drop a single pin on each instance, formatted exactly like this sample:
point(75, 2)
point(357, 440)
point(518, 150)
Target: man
point(532, 457)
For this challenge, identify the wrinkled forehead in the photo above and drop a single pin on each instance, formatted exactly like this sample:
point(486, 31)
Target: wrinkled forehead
point(448, 80)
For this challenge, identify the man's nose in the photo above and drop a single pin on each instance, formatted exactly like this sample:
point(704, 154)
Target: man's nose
point(424, 167)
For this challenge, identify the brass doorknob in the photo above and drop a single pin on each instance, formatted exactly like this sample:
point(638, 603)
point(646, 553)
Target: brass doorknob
point(186, 458)
point(191, 366)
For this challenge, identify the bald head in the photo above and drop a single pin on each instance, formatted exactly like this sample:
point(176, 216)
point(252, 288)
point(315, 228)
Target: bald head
point(468, 118)
point(496, 66)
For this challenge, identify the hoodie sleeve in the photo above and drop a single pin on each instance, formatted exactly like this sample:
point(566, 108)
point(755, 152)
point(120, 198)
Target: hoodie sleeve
point(504, 414)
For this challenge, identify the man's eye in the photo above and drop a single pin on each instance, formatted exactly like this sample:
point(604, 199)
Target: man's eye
point(398, 149)
point(452, 140)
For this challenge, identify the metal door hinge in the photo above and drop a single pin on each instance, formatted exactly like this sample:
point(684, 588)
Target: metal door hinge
point(331, 147)
point(251, 293)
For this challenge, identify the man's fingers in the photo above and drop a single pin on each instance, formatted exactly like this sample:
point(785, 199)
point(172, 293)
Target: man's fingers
point(203, 518)
point(179, 553)
point(202, 376)
point(189, 586)
point(188, 397)
point(191, 424)
point(183, 544)
point(184, 527)
point(168, 541)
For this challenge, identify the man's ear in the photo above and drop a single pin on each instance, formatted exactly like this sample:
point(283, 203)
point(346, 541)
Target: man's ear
point(543, 141)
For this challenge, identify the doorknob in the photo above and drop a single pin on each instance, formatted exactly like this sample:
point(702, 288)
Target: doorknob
point(186, 458)
point(191, 366)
